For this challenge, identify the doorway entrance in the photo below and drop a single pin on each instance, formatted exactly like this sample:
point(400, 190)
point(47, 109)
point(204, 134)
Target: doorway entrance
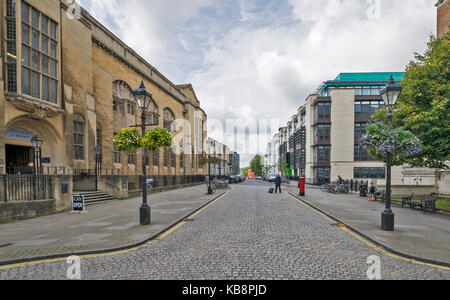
point(17, 159)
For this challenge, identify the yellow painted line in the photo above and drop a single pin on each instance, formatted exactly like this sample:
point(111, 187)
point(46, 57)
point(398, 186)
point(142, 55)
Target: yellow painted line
point(368, 243)
point(164, 235)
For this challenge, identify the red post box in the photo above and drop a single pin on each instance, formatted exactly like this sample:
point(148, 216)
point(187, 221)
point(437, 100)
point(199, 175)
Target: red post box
point(302, 186)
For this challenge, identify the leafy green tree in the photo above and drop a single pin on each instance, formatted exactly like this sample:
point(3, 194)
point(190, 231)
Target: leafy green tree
point(283, 166)
point(245, 171)
point(424, 105)
point(256, 165)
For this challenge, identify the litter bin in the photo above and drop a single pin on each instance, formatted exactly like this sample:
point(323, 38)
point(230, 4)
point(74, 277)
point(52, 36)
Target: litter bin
point(363, 190)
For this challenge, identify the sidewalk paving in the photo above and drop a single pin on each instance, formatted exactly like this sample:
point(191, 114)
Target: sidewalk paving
point(423, 235)
point(105, 226)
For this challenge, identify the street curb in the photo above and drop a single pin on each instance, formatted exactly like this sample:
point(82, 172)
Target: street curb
point(377, 243)
point(110, 250)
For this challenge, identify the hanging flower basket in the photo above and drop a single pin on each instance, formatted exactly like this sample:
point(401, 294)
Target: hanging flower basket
point(380, 140)
point(127, 140)
point(157, 138)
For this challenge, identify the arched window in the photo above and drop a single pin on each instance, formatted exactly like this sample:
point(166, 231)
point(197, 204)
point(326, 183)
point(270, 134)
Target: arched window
point(169, 118)
point(78, 137)
point(123, 98)
point(153, 114)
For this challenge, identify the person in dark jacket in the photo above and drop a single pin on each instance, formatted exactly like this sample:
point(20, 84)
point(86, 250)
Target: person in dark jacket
point(278, 182)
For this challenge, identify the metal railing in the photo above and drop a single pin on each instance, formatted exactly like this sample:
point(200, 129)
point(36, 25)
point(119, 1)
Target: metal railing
point(25, 188)
point(135, 182)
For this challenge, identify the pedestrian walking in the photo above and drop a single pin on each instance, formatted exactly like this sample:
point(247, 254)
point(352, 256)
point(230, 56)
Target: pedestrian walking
point(372, 192)
point(207, 181)
point(278, 182)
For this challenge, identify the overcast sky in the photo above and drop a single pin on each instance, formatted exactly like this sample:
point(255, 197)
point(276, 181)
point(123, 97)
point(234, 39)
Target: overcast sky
point(260, 59)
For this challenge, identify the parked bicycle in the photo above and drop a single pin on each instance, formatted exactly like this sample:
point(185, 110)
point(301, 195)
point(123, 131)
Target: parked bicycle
point(335, 188)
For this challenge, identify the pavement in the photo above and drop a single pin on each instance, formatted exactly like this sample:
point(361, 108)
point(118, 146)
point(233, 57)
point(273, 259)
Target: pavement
point(105, 226)
point(418, 234)
point(247, 234)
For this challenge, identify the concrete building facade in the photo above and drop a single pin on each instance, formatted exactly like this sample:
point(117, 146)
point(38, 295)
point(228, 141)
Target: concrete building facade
point(272, 157)
point(70, 80)
point(322, 141)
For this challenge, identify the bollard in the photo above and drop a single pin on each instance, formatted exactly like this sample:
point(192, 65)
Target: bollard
point(302, 186)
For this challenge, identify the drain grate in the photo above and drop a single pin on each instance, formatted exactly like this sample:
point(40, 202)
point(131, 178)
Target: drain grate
point(188, 220)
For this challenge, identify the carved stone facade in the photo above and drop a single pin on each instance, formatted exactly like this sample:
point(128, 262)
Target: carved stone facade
point(73, 87)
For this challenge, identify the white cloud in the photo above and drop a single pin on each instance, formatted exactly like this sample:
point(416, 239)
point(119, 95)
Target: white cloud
point(260, 59)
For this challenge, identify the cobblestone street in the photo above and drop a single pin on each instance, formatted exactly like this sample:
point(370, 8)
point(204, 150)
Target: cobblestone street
point(247, 234)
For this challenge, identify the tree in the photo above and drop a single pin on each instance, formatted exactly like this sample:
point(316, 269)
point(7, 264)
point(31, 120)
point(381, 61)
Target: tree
point(256, 165)
point(245, 171)
point(424, 105)
point(283, 166)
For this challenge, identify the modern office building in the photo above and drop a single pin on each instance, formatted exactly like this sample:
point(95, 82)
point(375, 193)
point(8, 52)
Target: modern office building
point(443, 17)
point(235, 160)
point(272, 157)
point(336, 119)
point(322, 141)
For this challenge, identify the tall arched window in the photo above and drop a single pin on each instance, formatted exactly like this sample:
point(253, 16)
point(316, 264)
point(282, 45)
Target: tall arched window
point(153, 114)
point(78, 137)
point(169, 118)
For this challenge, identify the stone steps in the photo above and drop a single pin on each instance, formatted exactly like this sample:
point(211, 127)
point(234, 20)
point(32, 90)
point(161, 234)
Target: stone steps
point(95, 197)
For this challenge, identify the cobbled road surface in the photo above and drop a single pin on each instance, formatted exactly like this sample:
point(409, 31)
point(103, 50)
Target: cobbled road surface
point(248, 234)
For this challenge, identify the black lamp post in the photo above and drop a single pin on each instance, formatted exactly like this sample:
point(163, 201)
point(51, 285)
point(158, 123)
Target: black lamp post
point(37, 143)
point(220, 166)
point(98, 165)
point(390, 95)
point(143, 99)
point(209, 168)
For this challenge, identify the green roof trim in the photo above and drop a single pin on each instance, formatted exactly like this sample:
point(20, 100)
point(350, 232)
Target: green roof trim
point(375, 76)
point(361, 79)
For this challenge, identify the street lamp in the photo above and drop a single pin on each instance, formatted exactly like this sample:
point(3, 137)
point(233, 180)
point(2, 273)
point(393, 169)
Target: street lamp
point(37, 143)
point(390, 95)
point(220, 166)
point(98, 165)
point(143, 99)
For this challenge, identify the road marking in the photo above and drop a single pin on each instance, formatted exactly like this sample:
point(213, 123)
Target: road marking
point(164, 235)
point(368, 243)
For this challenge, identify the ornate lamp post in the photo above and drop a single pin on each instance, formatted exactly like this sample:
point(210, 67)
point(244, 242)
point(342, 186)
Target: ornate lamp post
point(209, 167)
point(390, 95)
point(143, 99)
point(220, 166)
point(37, 143)
point(98, 165)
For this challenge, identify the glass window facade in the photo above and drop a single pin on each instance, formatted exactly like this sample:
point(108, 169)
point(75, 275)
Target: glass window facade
point(323, 110)
point(323, 154)
point(39, 67)
point(365, 109)
point(323, 133)
point(11, 48)
point(78, 139)
point(322, 175)
point(370, 173)
point(362, 154)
